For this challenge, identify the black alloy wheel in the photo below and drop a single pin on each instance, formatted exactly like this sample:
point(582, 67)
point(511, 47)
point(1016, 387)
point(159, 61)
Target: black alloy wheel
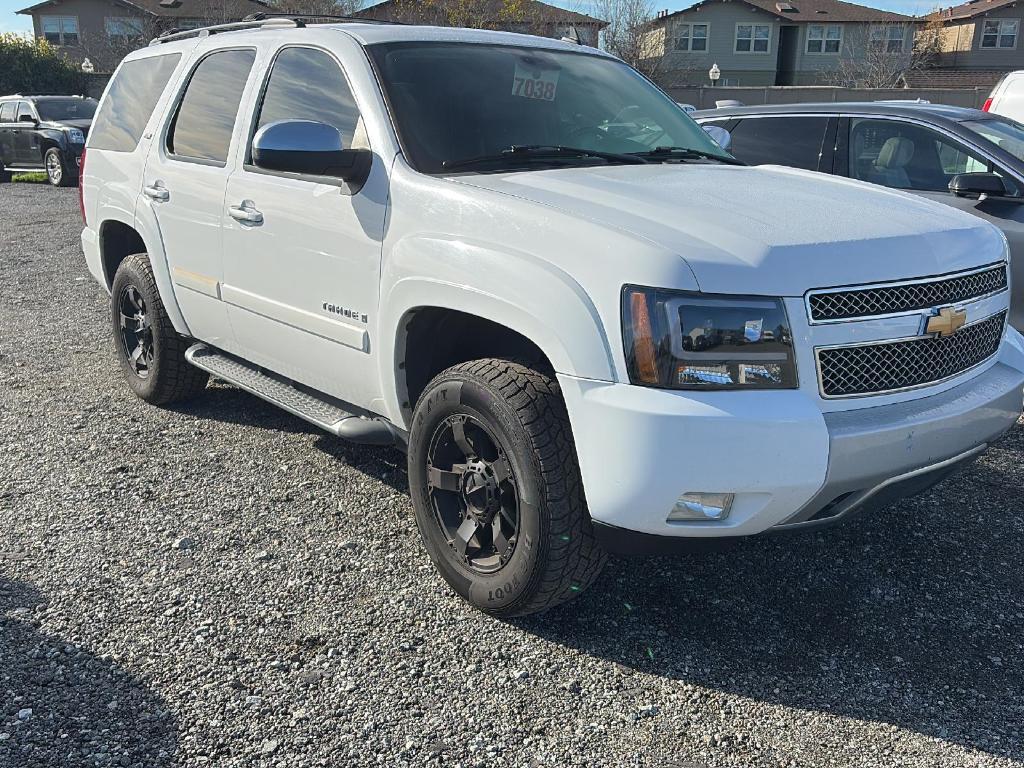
point(473, 493)
point(136, 331)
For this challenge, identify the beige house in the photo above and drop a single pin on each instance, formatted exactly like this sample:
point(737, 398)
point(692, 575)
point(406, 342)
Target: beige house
point(777, 42)
point(105, 30)
point(977, 43)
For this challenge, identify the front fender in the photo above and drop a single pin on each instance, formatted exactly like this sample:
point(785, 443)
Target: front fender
point(515, 290)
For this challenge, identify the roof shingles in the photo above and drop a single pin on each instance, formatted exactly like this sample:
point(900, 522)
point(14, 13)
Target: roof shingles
point(815, 11)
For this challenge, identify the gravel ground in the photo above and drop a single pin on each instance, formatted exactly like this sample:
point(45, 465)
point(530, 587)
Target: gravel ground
point(219, 584)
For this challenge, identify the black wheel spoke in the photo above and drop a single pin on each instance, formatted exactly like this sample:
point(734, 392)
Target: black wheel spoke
point(498, 536)
point(463, 535)
point(502, 470)
point(445, 480)
point(136, 333)
point(459, 435)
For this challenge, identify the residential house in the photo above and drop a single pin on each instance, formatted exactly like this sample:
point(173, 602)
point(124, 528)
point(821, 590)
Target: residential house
point(527, 16)
point(777, 42)
point(976, 43)
point(105, 30)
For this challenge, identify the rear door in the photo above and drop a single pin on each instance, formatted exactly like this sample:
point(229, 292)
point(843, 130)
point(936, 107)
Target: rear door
point(184, 182)
point(797, 141)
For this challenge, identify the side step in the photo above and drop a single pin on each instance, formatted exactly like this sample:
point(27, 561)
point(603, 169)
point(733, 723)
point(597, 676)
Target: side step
point(320, 410)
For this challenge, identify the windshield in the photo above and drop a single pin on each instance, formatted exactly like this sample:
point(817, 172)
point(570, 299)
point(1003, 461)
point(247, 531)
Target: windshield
point(55, 110)
point(453, 102)
point(1005, 134)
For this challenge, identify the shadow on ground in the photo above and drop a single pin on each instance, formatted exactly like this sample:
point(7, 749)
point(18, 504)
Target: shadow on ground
point(85, 711)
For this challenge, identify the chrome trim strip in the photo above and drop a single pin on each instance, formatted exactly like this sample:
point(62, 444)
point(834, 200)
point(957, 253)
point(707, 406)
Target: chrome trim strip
point(821, 385)
point(896, 284)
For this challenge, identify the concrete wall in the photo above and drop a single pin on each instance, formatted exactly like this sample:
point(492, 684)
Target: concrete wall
point(704, 98)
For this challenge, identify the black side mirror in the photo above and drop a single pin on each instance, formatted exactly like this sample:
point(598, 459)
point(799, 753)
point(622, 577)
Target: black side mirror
point(27, 118)
point(309, 148)
point(977, 184)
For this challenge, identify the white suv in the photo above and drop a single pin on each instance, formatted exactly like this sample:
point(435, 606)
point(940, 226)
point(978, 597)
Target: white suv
point(592, 328)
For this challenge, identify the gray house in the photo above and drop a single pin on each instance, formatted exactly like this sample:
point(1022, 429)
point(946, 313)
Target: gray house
point(774, 42)
point(105, 30)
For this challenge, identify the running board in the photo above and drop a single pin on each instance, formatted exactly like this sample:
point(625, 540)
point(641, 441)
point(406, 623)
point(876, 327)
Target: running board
point(317, 409)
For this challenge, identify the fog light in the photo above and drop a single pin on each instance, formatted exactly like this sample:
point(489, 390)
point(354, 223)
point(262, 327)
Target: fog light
point(701, 506)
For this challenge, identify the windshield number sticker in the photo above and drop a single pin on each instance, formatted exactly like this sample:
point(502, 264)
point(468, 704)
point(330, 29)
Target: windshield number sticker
point(535, 83)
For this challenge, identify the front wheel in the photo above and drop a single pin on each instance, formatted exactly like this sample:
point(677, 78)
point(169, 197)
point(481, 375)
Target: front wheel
point(497, 491)
point(57, 172)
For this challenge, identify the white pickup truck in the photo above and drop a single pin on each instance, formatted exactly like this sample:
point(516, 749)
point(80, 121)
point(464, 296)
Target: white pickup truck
point(591, 328)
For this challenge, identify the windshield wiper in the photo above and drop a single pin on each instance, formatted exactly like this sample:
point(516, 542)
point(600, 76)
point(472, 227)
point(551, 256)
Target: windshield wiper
point(531, 152)
point(685, 153)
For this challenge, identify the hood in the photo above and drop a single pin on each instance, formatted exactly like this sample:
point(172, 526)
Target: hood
point(82, 125)
point(765, 230)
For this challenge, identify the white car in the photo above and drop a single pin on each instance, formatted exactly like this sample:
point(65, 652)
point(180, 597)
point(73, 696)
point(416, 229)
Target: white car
point(1007, 97)
point(586, 342)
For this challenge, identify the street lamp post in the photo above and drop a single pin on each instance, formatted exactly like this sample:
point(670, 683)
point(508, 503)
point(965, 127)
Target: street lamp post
point(714, 73)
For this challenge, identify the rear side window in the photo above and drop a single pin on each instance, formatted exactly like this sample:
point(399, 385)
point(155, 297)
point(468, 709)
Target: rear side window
point(130, 101)
point(206, 116)
point(7, 111)
point(792, 141)
point(308, 84)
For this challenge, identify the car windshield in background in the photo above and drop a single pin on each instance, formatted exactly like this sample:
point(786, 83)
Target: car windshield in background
point(461, 106)
point(55, 110)
point(1005, 134)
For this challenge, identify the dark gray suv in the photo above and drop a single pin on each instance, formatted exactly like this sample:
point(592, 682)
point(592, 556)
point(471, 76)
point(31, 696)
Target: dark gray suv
point(966, 158)
point(44, 133)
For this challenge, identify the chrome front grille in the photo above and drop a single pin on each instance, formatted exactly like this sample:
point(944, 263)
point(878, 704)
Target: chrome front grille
point(888, 366)
point(848, 304)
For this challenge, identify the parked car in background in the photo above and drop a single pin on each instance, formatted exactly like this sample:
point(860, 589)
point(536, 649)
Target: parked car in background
point(1007, 98)
point(913, 146)
point(44, 133)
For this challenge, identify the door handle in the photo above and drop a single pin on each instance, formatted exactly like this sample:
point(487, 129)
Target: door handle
point(157, 192)
point(245, 213)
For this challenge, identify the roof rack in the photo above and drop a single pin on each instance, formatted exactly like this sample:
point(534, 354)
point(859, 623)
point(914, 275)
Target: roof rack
point(259, 21)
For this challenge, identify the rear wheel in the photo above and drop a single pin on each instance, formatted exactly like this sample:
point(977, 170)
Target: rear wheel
point(497, 491)
point(151, 352)
point(57, 171)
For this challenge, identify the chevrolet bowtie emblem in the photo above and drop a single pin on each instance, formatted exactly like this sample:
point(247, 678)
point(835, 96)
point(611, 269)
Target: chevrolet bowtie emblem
point(946, 322)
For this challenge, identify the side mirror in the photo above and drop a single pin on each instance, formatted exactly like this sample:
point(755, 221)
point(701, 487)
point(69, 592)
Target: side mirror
point(976, 185)
point(27, 118)
point(309, 148)
point(721, 136)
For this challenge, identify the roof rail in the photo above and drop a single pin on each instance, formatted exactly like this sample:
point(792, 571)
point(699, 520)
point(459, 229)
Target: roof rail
point(310, 17)
point(234, 26)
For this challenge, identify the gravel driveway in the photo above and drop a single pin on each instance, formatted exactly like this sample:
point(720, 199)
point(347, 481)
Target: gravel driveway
point(219, 584)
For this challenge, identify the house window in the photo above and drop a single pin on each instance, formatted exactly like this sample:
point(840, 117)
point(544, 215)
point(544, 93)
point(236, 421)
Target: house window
point(887, 37)
point(123, 28)
point(824, 38)
point(753, 38)
point(60, 30)
point(999, 33)
point(692, 37)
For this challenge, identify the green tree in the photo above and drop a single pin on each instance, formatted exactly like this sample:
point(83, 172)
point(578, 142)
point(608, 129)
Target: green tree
point(35, 66)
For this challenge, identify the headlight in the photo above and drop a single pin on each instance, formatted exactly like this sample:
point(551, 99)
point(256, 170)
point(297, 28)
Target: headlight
point(75, 136)
point(704, 341)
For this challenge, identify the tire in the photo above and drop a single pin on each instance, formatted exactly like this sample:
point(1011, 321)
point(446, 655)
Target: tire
point(159, 374)
point(515, 430)
point(57, 171)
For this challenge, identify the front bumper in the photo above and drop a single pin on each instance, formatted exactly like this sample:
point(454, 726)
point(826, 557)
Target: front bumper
point(789, 464)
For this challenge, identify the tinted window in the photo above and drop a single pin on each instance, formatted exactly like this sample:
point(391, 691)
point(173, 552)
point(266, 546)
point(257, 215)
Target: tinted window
point(907, 156)
point(792, 141)
point(66, 109)
point(130, 101)
point(452, 102)
point(307, 84)
point(7, 111)
point(206, 116)
point(24, 112)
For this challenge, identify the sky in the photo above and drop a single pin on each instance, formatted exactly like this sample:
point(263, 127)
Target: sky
point(10, 22)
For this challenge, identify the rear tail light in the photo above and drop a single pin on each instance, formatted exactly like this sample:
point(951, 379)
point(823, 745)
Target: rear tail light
point(81, 181)
point(987, 105)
